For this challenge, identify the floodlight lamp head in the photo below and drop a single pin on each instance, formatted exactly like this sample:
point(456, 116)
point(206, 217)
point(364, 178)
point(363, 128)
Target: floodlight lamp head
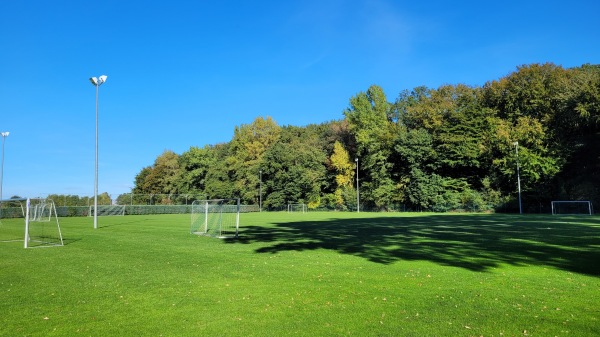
point(515, 143)
point(94, 80)
point(5, 134)
point(102, 79)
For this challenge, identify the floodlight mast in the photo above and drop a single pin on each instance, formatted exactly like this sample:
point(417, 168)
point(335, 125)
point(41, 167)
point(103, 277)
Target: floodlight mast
point(4, 135)
point(97, 82)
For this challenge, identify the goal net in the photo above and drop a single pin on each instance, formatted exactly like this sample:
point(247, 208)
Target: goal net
point(301, 208)
point(39, 216)
point(572, 207)
point(216, 218)
point(107, 210)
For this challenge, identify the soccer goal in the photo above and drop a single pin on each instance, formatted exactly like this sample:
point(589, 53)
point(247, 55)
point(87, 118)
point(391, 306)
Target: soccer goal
point(108, 210)
point(42, 228)
point(301, 208)
point(216, 218)
point(572, 207)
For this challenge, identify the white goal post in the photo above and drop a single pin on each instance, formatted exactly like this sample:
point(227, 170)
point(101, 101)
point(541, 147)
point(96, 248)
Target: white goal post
point(42, 228)
point(567, 207)
point(108, 210)
point(297, 208)
point(216, 218)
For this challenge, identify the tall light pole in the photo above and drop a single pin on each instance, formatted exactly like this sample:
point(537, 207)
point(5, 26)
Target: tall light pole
point(4, 135)
point(357, 192)
point(97, 82)
point(260, 191)
point(516, 144)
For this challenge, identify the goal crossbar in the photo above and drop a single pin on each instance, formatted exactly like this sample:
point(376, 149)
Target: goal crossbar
point(217, 218)
point(38, 214)
point(296, 208)
point(572, 207)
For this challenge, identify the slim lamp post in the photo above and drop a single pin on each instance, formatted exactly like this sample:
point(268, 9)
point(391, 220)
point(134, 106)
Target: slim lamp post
point(97, 82)
point(516, 144)
point(357, 191)
point(260, 191)
point(4, 135)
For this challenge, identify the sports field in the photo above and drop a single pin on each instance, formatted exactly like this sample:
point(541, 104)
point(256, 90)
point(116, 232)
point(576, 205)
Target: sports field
point(311, 274)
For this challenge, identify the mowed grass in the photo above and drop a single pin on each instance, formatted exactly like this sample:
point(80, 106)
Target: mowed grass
point(312, 274)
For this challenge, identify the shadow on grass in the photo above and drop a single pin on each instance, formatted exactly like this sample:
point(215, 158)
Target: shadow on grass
point(474, 242)
point(71, 240)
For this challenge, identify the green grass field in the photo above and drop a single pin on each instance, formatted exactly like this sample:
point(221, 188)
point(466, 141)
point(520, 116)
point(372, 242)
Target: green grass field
point(312, 274)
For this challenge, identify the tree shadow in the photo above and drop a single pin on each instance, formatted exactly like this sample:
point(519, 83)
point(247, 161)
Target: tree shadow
point(474, 242)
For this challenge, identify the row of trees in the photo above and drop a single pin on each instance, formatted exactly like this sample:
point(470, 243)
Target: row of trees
point(76, 200)
point(441, 149)
point(73, 200)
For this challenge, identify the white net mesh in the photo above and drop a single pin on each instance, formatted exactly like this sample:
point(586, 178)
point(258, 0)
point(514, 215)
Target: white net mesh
point(41, 230)
point(572, 207)
point(40, 227)
point(216, 218)
point(108, 210)
point(301, 208)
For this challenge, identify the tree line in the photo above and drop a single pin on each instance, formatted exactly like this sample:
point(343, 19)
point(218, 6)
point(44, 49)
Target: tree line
point(449, 148)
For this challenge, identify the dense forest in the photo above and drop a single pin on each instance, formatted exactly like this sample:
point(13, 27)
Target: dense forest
point(455, 147)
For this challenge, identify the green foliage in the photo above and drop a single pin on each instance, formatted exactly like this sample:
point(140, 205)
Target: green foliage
point(75, 200)
point(104, 199)
point(160, 178)
point(218, 180)
point(446, 148)
point(415, 149)
point(125, 199)
point(194, 166)
point(584, 98)
point(530, 91)
point(423, 189)
point(460, 140)
point(246, 151)
point(369, 119)
point(294, 168)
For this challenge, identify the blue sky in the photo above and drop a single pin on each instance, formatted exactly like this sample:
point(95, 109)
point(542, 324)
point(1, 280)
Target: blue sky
point(185, 73)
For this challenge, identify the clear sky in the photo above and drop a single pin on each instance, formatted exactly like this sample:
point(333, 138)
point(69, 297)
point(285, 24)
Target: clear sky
point(185, 73)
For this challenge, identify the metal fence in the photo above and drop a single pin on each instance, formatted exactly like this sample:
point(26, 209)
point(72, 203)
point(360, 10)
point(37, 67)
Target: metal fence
point(73, 211)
